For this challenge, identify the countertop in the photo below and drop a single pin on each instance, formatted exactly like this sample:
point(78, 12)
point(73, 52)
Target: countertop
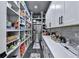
point(57, 49)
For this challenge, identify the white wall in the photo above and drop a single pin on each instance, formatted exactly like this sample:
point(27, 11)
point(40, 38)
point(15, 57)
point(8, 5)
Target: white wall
point(3, 26)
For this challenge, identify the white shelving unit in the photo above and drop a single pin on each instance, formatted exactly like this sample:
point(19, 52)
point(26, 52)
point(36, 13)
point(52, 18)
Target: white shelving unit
point(13, 24)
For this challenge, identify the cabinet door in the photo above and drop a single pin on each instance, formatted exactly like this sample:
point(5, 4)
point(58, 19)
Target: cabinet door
point(71, 12)
point(50, 15)
point(59, 12)
point(48, 19)
point(52, 11)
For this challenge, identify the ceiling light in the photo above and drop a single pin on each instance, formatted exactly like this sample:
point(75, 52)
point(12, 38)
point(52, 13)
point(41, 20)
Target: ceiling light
point(35, 6)
point(52, 6)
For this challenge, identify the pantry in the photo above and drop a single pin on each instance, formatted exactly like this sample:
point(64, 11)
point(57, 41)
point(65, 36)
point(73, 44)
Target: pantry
point(39, 29)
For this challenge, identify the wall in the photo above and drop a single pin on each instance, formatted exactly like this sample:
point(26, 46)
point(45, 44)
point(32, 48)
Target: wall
point(2, 27)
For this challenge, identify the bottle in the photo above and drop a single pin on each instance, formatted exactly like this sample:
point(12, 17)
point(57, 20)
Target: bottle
point(16, 24)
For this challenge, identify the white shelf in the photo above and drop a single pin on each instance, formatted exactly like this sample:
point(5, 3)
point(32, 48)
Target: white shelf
point(12, 50)
point(22, 17)
point(22, 30)
point(25, 40)
point(12, 41)
point(38, 18)
point(11, 29)
point(28, 29)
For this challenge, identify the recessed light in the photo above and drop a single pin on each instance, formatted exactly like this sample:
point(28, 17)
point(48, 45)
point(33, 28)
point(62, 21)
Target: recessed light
point(58, 6)
point(52, 6)
point(35, 6)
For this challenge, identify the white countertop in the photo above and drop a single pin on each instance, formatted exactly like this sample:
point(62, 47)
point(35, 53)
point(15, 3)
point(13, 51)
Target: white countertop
point(57, 49)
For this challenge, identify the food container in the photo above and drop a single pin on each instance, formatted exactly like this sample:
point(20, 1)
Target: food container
point(9, 24)
point(11, 38)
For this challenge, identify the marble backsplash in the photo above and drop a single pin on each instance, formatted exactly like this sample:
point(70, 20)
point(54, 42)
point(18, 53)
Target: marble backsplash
point(70, 33)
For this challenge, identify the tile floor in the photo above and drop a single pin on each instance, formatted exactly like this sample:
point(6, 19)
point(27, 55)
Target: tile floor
point(34, 51)
point(35, 55)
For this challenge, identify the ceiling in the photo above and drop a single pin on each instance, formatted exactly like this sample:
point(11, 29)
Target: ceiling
point(37, 6)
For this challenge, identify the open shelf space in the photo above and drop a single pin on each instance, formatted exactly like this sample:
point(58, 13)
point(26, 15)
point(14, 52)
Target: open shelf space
point(12, 22)
point(15, 4)
point(14, 54)
point(12, 12)
point(21, 6)
point(13, 49)
point(12, 36)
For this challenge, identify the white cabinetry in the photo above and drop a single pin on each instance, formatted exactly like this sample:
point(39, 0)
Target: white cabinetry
point(71, 13)
point(48, 20)
point(55, 11)
point(50, 16)
point(59, 12)
point(66, 11)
